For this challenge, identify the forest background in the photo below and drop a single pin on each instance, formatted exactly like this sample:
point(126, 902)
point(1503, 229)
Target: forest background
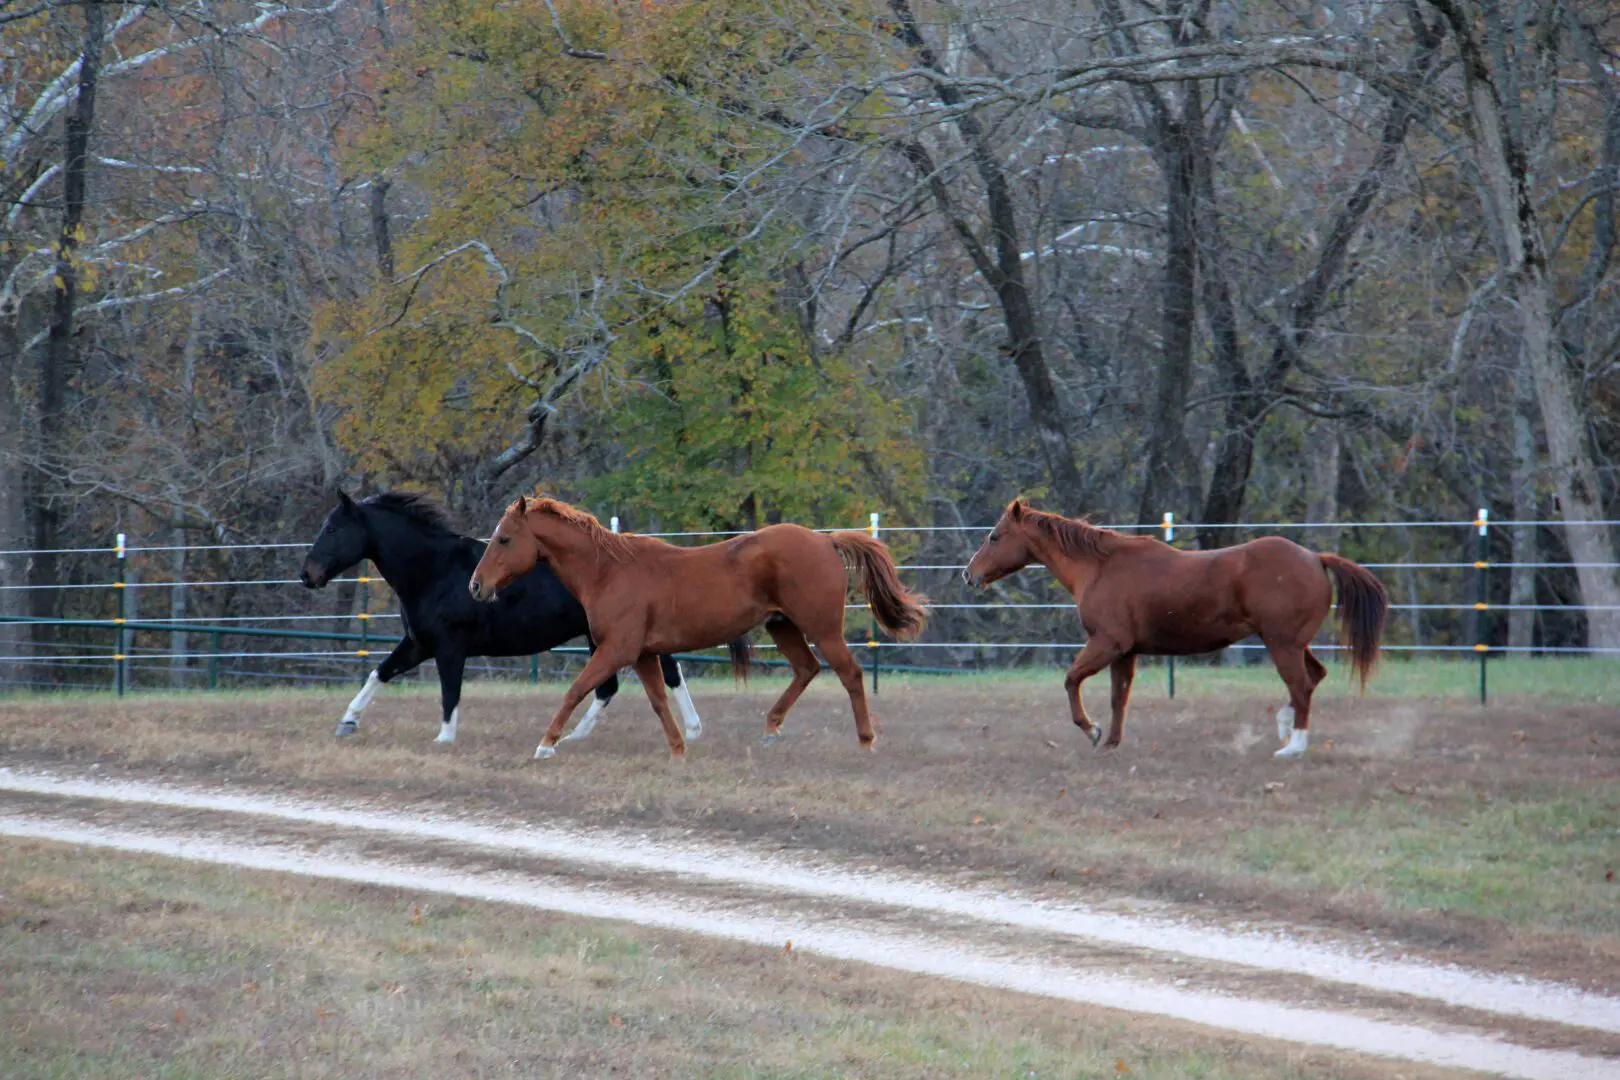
point(718, 263)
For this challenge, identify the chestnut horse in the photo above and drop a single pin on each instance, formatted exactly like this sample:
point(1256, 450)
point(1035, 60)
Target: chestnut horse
point(1139, 596)
point(644, 597)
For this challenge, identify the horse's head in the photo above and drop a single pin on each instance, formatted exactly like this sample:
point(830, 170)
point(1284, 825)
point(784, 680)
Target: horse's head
point(512, 552)
point(342, 543)
point(1006, 549)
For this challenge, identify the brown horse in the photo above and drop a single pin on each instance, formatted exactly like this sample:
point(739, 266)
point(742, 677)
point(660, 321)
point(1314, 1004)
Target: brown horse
point(644, 597)
point(1138, 596)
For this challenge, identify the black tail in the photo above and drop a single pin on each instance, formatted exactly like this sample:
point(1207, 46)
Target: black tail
point(742, 658)
point(1363, 603)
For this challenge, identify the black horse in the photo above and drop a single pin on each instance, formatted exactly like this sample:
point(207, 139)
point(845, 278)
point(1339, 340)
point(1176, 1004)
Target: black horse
point(419, 553)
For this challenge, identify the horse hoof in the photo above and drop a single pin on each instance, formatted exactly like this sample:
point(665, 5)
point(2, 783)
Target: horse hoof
point(345, 729)
point(445, 738)
point(1095, 735)
point(772, 738)
point(543, 751)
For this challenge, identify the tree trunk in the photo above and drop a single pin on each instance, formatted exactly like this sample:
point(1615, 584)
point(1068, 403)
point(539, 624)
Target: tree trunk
point(1168, 456)
point(1322, 485)
point(1522, 578)
point(179, 640)
point(57, 358)
point(1503, 162)
point(13, 502)
point(379, 227)
point(1004, 272)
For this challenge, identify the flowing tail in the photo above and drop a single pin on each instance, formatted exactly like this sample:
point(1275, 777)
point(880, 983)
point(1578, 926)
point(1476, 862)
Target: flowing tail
point(898, 611)
point(1363, 603)
point(742, 658)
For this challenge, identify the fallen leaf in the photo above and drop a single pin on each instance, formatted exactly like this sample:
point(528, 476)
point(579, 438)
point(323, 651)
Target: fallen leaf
point(1609, 876)
point(1520, 736)
point(1052, 873)
point(1062, 792)
point(788, 947)
point(978, 819)
point(250, 988)
point(180, 1016)
point(416, 916)
point(1121, 1067)
point(615, 1020)
point(322, 1014)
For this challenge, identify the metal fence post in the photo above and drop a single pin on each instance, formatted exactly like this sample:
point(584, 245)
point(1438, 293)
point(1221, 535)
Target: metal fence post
point(871, 637)
point(363, 616)
point(1170, 662)
point(1481, 564)
point(213, 660)
point(120, 639)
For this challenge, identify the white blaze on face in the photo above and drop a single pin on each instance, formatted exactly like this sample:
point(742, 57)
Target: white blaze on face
point(447, 734)
point(689, 715)
point(351, 715)
point(583, 728)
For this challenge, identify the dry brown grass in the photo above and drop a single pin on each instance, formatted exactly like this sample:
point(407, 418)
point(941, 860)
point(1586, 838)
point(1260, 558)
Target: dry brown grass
point(1477, 835)
point(116, 966)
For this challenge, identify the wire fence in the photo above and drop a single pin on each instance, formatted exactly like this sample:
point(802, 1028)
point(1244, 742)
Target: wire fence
point(230, 614)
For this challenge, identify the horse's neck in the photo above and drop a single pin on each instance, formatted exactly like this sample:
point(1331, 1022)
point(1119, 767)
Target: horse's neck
point(1075, 572)
point(580, 564)
point(408, 558)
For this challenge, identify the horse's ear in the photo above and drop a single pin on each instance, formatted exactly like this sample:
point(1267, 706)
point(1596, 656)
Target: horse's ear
point(344, 500)
point(522, 505)
point(1015, 509)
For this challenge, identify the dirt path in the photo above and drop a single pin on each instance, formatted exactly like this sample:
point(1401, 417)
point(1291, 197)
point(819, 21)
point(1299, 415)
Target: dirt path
point(1272, 985)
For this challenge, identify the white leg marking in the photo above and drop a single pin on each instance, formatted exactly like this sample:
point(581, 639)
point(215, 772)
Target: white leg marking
point(583, 728)
point(542, 752)
point(683, 698)
point(447, 734)
point(1296, 744)
point(1285, 722)
point(351, 716)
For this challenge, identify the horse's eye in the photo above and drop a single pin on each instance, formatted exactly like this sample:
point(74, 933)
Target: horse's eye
point(994, 537)
point(503, 540)
point(330, 529)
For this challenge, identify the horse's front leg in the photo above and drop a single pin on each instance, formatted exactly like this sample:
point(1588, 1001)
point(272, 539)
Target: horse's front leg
point(406, 655)
point(452, 664)
point(603, 665)
point(1098, 654)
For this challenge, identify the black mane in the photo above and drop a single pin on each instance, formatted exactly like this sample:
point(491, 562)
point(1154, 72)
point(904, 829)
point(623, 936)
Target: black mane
point(418, 508)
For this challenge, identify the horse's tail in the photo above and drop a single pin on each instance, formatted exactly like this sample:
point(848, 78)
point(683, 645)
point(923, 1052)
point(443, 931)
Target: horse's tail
point(742, 658)
point(1363, 603)
point(898, 611)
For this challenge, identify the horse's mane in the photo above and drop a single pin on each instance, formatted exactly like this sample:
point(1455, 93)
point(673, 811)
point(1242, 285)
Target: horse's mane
point(1079, 538)
point(615, 544)
point(418, 508)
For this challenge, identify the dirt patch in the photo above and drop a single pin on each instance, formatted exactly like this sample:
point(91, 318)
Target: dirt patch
point(992, 782)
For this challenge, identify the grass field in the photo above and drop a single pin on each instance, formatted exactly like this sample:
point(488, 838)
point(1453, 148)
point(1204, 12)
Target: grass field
point(114, 966)
point(1482, 835)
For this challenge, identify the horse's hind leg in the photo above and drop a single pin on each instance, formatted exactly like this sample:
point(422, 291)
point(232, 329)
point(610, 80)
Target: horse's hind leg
point(405, 657)
point(1294, 664)
point(849, 672)
point(1122, 673)
point(795, 650)
point(683, 696)
point(652, 681)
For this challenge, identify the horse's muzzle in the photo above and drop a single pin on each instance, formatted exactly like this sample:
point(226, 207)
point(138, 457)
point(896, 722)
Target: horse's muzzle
point(972, 580)
point(312, 577)
point(478, 591)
